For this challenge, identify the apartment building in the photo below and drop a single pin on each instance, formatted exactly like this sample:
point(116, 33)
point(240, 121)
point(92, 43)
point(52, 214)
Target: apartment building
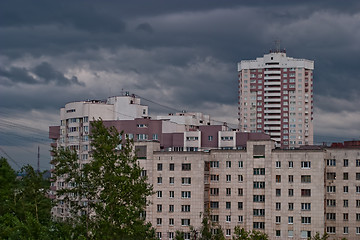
point(276, 97)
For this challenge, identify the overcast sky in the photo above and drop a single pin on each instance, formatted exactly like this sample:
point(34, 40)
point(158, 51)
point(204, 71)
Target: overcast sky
point(182, 54)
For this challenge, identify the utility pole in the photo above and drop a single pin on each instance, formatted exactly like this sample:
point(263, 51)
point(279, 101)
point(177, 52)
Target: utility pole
point(38, 159)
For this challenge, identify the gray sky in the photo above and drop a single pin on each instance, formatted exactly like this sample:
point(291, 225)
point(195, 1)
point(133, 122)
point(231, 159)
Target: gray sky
point(183, 54)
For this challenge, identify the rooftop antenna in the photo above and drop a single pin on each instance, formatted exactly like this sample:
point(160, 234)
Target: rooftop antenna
point(38, 159)
point(277, 46)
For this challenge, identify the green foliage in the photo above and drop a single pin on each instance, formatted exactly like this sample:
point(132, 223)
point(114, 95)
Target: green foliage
point(318, 237)
point(112, 185)
point(25, 208)
point(241, 234)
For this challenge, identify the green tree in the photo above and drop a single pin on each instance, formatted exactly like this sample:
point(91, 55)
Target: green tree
point(108, 194)
point(317, 236)
point(7, 187)
point(241, 234)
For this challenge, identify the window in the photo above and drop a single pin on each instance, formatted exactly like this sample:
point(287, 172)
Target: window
point(240, 192)
point(228, 178)
point(171, 194)
point(278, 178)
point(358, 162)
point(214, 218)
point(210, 138)
point(171, 167)
point(346, 176)
point(228, 218)
point(291, 164)
point(331, 202)
point(240, 205)
point(228, 205)
point(290, 220)
point(331, 162)
point(259, 225)
point(171, 235)
point(171, 180)
point(357, 203)
point(305, 234)
point(357, 176)
point(259, 198)
point(306, 192)
point(158, 235)
point(141, 136)
point(291, 206)
point(259, 184)
point(346, 162)
point(346, 203)
point(214, 177)
point(228, 164)
point(331, 176)
point(331, 189)
point(278, 164)
point(346, 189)
point(159, 166)
point(259, 171)
point(214, 191)
point(259, 212)
point(306, 220)
point(186, 166)
point(305, 206)
point(240, 218)
point(159, 180)
point(345, 216)
point(277, 219)
point(240, 178)
point(358, 217)
point(187, 235)
point(291, 178)
point(214, 164)
point(357, 230)
point(185, 208)
point(278, 206)
point(185, 222)
point(159, 208)
point(291, 192)
point(159, 194)
point(185, 194)
point(228, 191)
point(278, 192)
point(290, 233)
point(305, 164)
point(330, 230)
point(214, 205)
point(228, 232)
point(357, 189)
point(240, 164)
point(186, 180)
point(346, 230)
point(331, 216)
point(306, 178)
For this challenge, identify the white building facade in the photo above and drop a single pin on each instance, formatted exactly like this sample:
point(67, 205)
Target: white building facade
point(276, 97)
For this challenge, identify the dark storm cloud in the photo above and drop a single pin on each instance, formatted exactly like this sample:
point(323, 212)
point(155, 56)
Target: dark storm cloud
point(145, 27)
point(43, 72)
point(183, 53)
point(46, 72)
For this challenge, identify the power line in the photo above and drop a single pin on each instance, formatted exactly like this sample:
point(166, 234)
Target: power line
point(3, 151)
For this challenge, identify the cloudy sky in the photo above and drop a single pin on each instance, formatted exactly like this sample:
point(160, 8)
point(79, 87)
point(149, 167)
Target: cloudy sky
point(183, 54)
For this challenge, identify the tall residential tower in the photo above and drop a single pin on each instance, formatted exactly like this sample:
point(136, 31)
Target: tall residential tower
point(276, 97)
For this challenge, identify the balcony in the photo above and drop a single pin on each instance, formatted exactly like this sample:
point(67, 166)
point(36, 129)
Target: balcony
point(272, 128)
point(271, 83)
point(272, 123)
point(273, 71)
point(274, 134)
point(272, 105)
point(272, 111)
point(277, 94)
point(272, 89)
point(272, 117)
point(266, 100)
point(272, 77)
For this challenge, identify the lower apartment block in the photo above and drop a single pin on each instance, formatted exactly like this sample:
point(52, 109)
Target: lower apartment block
point(288, 194)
